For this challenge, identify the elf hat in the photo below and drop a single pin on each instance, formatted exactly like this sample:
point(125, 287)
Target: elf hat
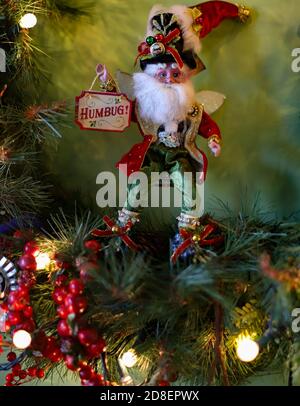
point(174, 33)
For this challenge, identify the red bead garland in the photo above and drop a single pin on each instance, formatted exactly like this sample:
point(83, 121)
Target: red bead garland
point(79, 343)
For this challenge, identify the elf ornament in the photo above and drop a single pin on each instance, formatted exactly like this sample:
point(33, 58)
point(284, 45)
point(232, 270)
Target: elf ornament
point(169, 113)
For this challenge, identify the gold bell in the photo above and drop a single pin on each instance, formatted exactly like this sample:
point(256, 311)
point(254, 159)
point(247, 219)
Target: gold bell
point(115, 229)
point(196, 238)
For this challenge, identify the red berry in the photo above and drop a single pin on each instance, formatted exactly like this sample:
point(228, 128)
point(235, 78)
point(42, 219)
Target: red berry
point(31, 248)
point(92, 245)
point(14, 318)
point(86, 372)
point(11, 356)
point(76, 304)
point(71, 362)
point(31, 371)
point(18, 234)
point(76, 287)
point(55, 355)
point(9, 378)
point(28, 311)
point(63, 329)
point(163, 382)
point(22, 374)
point(62, 312)
point(4, 307)
point(87, 336)
point(81, 303)
point(16, 369)
point(59, 295)
point(40, 373)
point(159, 37)
point(28, 325)
point(27, 262)
point(60, 280)
point(23, 291)
point(96, 349)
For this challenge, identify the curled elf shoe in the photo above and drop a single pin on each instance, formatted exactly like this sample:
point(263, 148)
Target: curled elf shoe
point(199, 237)
point(114, 229)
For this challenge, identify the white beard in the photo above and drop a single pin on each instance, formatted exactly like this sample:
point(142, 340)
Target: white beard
point(163, 103)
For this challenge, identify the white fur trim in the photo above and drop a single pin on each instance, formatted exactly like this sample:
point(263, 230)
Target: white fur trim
point(185, 20)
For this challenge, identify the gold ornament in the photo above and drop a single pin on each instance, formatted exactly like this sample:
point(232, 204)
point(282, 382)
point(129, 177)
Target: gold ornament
point(244, 13)
point(196, 238)
point(196, 14)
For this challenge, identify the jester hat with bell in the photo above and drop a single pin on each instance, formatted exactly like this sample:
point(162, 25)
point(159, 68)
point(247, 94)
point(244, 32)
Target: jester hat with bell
point(174, 34)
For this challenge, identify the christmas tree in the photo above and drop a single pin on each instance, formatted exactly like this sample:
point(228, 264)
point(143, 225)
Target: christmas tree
point(221, 311)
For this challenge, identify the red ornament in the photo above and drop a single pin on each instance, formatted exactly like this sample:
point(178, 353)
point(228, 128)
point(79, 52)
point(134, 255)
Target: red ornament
point(31, 248)
point(76, 287)
point(159, 37)
point(93, 245)
point(63, 329)
point(87, 336)
point(27, 263)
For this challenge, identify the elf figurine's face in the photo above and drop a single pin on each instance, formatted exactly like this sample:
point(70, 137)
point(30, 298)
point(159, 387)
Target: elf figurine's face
point(170, 74)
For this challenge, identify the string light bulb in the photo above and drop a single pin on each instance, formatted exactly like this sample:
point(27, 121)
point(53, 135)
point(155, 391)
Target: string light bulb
point(129, 358)
point(247, 349)
point(28, 20)
point(21, 339)
point(42, 261)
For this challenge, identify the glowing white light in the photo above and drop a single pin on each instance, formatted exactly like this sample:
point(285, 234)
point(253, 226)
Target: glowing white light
point(21, 339)
point(28, 20)
point(247, 349)
point(129, 358)
point(42, 261)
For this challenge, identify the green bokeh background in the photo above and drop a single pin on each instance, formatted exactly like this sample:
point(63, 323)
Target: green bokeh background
point(250, 64)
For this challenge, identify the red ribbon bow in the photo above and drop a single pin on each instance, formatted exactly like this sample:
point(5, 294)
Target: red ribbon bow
point(144, 48)
point(118, 232)
point(190, 238)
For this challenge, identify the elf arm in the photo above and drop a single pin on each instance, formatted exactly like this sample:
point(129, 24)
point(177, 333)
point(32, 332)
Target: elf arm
point(210, 130)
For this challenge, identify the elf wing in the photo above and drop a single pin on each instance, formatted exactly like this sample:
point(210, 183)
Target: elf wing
point(125, 83)
point(211, 101)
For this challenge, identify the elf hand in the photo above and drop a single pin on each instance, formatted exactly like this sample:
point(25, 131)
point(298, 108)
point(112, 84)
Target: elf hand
point(214, 146)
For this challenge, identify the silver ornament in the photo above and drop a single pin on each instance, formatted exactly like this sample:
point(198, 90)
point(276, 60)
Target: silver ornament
point(157, 48)
point(8, 277)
